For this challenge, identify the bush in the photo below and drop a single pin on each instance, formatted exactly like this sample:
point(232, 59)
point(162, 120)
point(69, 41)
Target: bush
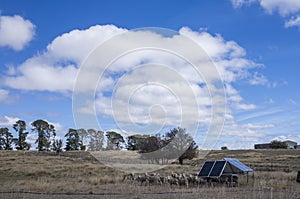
point(224, 148)
point(278, 145)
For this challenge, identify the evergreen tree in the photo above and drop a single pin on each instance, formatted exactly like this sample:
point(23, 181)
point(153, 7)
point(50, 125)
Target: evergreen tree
point(45, 132)
point(57, 146)
point(114, 140)
point(96, 140)
point(6, 139)
point(20, 128)
point(73, 141)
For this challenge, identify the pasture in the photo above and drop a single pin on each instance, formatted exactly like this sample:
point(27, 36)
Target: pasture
point(79, 175)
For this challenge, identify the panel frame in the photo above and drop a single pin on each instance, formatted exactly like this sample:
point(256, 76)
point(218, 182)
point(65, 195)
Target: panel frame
point(215, 167)
point(211, 167)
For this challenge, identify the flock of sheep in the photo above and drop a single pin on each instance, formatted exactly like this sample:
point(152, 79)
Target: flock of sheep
point(176, 179)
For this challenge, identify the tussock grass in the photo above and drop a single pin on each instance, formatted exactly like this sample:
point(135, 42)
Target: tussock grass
point(74, 173)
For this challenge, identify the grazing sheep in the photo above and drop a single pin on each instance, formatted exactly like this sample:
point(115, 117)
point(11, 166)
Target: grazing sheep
point(128, 177)
point(142, 180)
point(183, 181)
point(172, 181)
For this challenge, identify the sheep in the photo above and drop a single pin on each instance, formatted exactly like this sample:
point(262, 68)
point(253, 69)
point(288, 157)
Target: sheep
point(172, 181)
point(142, 180)
point(129, 177)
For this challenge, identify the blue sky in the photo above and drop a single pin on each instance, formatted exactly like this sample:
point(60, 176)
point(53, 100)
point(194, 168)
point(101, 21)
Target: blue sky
point(39, 45)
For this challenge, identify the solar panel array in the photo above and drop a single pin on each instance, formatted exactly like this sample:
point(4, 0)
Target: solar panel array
point(206, 168)
point(238, 164)
point(215, 169)
point(218, 168)
point(212, 168)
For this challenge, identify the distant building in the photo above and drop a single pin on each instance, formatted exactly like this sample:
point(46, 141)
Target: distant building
point(290, 145)
point(262, 146)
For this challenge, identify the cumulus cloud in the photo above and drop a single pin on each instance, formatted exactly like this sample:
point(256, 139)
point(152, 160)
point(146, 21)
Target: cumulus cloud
point(284, 7)
point(158, 93)
point(7, 121)
point(294, 21)
point(56, 69)
point(15, 32)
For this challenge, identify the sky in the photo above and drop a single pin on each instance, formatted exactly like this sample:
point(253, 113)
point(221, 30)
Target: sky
point(254, 46)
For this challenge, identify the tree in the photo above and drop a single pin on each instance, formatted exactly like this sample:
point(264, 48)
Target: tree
point(150, 144)
point(180, 143)
point(224, 148)
point(57, 146)
point(135, 142)
point(278, 145)
point(149, 149)
point(20, 128)
point(73, 141)
point(190, 153)
point(6, 139)
point(96, 140)
point(114, 140)
point(83, 137)
point(45, 132)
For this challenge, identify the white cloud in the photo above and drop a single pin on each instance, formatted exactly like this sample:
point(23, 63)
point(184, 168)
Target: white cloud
point(284, 7)
point(295, 138)
point(39, 75)
point(15, 32)
point(6, 121)
point(235, 100)
point(258, 126)
point(245, 106)
point(55, 70)
point(4, 94)
point(259, 79)
point(271, 101)
point(240, 3)
point(294, 21)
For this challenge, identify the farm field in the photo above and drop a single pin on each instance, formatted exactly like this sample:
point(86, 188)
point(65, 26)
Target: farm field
point(79, 175)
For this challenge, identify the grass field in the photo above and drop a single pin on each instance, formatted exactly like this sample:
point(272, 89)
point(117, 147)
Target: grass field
point(79, 175)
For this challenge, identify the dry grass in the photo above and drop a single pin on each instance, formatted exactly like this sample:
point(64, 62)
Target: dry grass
point(80, 175)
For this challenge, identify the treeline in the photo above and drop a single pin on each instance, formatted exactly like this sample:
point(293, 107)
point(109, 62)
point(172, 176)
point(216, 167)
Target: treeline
point(175, 144)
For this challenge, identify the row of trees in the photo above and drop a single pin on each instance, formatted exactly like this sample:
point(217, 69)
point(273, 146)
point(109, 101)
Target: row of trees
point(175, 143)
point(45, 139)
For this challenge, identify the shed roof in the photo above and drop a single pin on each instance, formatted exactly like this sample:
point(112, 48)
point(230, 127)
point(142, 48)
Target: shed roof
point(238, 165)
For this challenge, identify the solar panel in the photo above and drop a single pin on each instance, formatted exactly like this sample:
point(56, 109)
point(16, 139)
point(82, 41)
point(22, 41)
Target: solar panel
point(238, 164)
point(217, 168)
point(206, 168)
